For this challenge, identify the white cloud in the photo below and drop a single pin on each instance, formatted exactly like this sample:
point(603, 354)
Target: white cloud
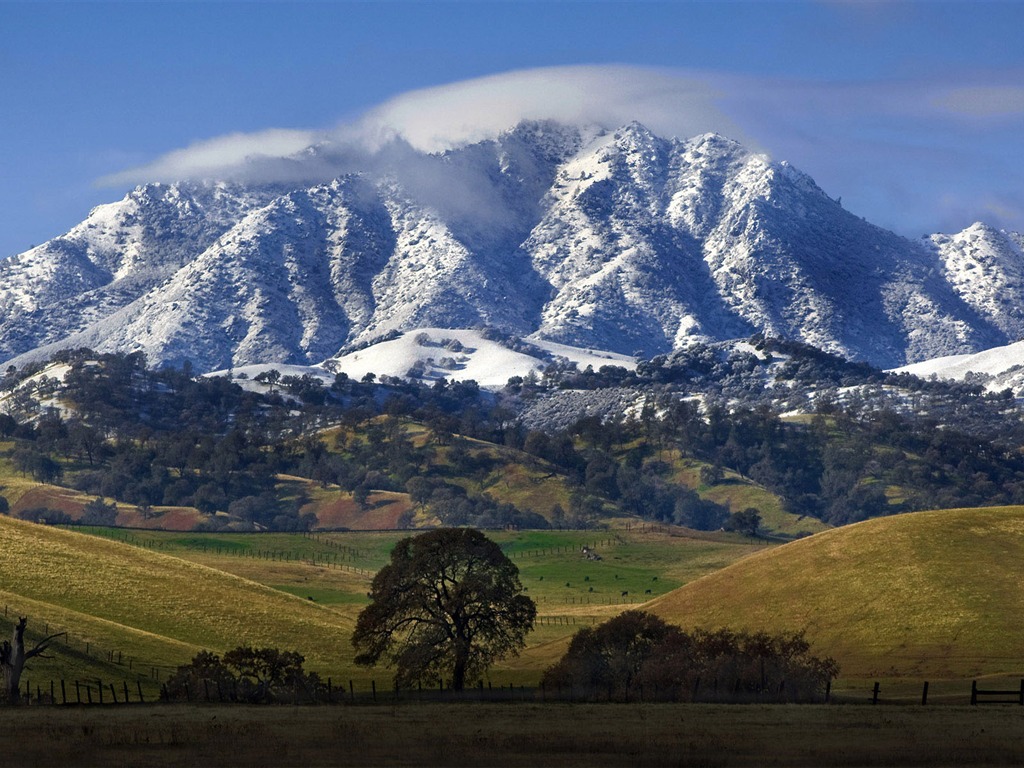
point(669, 102)
point(218, 157)
point(897, 151)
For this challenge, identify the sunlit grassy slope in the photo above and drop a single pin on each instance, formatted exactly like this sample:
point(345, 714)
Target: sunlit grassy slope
point(937, 594)
point(158, 608)
point(333, 570)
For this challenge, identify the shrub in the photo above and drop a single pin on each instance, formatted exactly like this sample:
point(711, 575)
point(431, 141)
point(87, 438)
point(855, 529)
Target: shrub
point(255, 675)
point(639, 651)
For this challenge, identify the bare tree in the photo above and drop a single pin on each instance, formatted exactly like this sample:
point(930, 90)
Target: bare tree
point(12, 660)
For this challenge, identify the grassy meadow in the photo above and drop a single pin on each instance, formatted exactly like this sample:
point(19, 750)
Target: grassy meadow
point(928, 596)
point(158, 597)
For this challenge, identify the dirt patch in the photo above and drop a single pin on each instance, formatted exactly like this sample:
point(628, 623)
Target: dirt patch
point(382, 514)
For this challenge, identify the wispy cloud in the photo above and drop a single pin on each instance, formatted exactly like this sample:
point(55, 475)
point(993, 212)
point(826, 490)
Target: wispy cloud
point(985, 100)
point(434, 119)
point(218, 157)
point(667, 101)
point(914, 155)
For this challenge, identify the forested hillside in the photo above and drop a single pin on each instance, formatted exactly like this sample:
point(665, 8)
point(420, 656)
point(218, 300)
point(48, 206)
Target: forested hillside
point(765, 437)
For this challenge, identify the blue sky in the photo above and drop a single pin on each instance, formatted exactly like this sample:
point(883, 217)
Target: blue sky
point(912, 112)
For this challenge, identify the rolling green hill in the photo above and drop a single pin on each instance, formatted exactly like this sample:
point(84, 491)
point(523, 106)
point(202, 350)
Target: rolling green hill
point(139, 603)
point(158, 609)
point(934, 594)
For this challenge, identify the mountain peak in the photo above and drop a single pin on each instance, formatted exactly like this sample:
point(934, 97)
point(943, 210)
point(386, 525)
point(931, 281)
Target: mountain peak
point(617, 240)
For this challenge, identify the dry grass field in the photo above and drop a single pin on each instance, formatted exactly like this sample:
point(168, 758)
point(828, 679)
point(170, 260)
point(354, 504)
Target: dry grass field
point(452, 735)
point(930, 595)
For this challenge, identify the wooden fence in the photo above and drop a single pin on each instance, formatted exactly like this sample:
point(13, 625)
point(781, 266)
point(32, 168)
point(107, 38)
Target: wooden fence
point(990, 696)
point(96, 692)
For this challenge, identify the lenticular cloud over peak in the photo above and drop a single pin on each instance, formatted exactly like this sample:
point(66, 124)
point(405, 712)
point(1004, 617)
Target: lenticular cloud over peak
point(668, 102)
point(443, 117)
point(903, 153)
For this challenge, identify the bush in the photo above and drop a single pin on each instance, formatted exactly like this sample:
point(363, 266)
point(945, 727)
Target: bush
point(254, 675)
point(99, 512)
point(45, 516)
point(639, 651)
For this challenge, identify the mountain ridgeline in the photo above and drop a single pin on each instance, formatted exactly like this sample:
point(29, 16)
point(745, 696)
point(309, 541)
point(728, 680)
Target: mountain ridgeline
point(622, 241)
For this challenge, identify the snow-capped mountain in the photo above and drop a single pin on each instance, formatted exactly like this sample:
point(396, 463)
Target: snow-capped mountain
point(621, 241)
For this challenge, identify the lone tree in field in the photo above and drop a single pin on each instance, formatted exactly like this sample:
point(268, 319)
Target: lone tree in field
point(449, 604)
point(12, 661)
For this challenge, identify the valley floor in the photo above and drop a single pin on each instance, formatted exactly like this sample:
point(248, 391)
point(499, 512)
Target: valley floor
point(514, 735)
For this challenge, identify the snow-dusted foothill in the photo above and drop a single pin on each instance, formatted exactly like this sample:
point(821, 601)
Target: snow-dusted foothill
point(995, 369)
point(430, 354)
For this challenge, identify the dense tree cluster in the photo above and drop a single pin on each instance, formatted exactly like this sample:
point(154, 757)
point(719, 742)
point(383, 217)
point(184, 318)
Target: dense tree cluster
point(246, 674)
point(638, 651)
point(166, 438)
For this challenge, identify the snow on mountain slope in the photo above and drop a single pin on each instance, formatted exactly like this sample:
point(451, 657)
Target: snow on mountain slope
point(460, 355)
point(429, 354)
point(621, 241)
point(119, 252)
point(433, 353)
point(986, 268)
point(653, 243)
point(996, 369)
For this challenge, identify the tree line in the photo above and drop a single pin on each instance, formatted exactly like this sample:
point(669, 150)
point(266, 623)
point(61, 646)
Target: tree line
point(166, 438)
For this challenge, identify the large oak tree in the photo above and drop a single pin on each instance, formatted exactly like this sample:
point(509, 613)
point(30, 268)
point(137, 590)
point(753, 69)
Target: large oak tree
point(448, 605)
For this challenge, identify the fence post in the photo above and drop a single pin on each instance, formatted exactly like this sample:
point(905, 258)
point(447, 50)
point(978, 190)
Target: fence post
point(974, 693)
point(139, 684)
point(99, 684)
point(1022, 692)
point(78, 692)
point(924, 694)
point(874, 693)
point(373, 686)
point(63, 692)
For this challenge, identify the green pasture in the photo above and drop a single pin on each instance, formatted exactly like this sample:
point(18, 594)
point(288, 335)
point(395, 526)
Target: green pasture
point(159, 597)
point(929, 596)
point(154, 607)
point(738, 493)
